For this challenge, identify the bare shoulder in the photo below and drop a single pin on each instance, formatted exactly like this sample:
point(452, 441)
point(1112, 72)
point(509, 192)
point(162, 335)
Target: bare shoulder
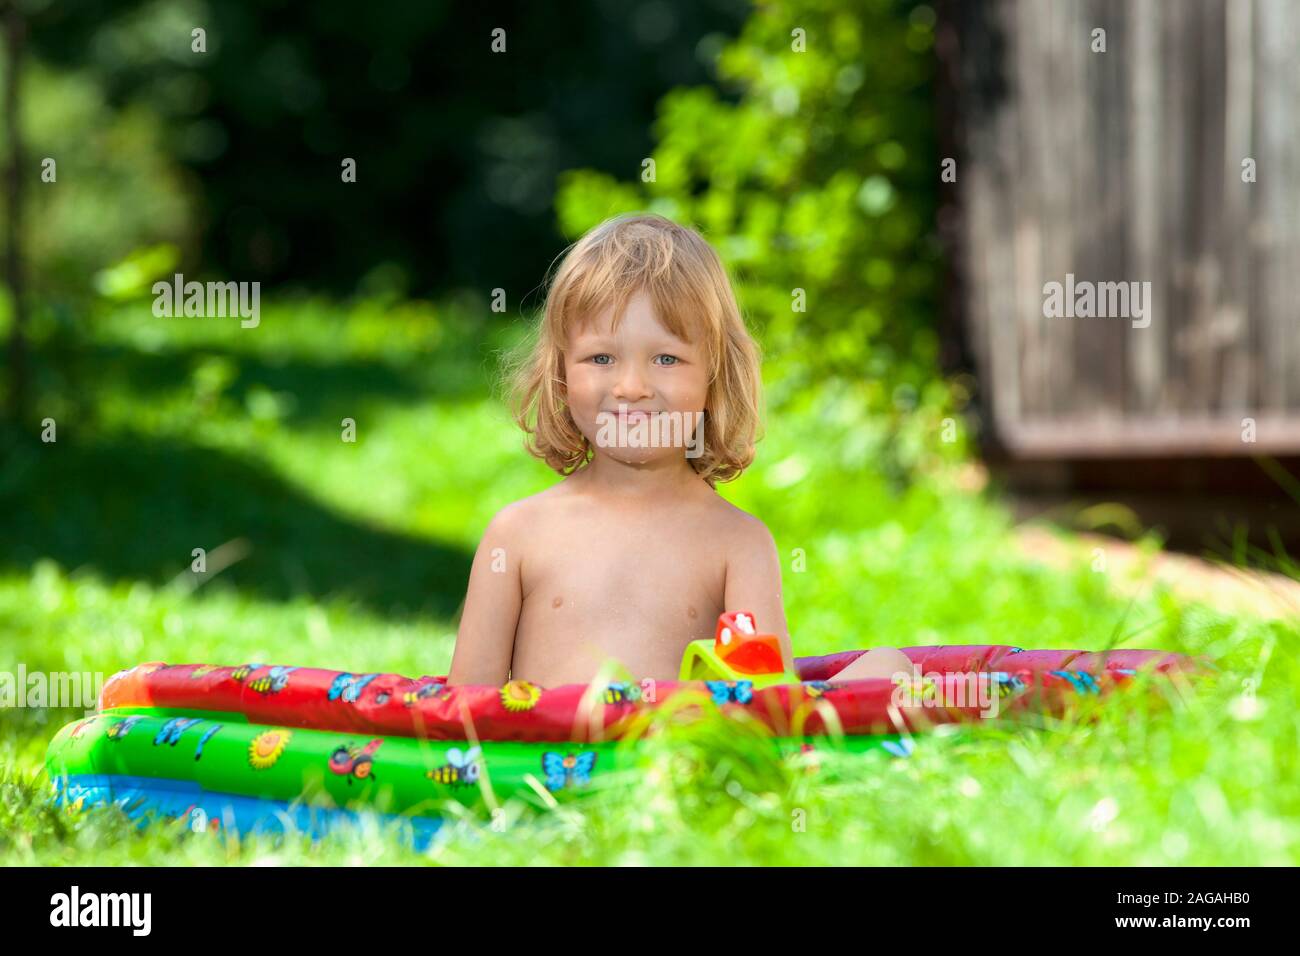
point(742, 527)
point(523, 518)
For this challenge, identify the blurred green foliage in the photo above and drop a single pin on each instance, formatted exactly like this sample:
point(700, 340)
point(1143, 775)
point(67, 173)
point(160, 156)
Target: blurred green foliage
point(457, 146)
point(821, 178)
point(115, 185)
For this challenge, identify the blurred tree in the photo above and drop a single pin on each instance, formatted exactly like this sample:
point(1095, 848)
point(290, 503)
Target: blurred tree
point(97, 175)
point(15, 30)
point(457, 148)
point(88, 184)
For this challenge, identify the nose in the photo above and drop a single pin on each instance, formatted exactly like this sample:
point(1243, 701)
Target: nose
point(631, 385)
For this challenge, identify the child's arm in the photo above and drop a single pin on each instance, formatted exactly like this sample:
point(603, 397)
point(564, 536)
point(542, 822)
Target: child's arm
point(754, 581)
point(485, 640)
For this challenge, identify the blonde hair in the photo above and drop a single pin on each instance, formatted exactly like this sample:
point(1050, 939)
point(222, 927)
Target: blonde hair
point(691, 293)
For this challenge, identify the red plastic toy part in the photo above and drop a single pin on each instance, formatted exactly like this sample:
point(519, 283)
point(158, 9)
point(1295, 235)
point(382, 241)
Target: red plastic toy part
point(739, 645)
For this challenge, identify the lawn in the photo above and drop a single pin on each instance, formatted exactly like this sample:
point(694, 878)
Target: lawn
point(354, 555)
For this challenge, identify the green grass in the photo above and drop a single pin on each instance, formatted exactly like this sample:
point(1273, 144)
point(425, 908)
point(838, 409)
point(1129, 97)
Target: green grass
point(354, 556)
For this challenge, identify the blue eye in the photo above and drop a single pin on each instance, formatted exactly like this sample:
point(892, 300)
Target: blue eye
point(672, 359)
point(602, 355)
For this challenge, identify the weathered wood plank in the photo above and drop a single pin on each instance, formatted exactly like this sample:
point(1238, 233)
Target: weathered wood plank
point(1126, 166)
point(1145, 368)
point(1151, 437)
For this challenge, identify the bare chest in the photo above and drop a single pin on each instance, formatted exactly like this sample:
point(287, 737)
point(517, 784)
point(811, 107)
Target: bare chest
point(636, 594)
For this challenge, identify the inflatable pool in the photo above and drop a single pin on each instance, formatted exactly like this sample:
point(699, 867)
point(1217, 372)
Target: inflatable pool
point(274, 748)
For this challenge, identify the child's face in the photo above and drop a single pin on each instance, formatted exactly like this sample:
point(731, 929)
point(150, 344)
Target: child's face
point(643, 367)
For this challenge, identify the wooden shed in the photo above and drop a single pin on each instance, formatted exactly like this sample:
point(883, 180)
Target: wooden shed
point(1124, 228)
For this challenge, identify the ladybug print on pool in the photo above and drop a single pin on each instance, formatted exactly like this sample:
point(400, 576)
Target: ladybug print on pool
point(723, 691)
point(355, 762)
point(348, 687)
point(564, 770)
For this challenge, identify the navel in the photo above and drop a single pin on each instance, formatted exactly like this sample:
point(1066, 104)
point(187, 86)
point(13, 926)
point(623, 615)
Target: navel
point(557, 601)
point(691, 612)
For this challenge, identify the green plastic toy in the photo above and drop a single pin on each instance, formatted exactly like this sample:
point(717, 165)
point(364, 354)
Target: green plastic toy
point(737, 652)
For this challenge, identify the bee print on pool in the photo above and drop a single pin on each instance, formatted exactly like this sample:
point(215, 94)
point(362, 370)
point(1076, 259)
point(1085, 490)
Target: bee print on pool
point(272, 682)
point(620, 692)
point(460, 770)
point(423, 692)
point(564, 770)
point(1005, 685)
point(239, 673)
point(723, 691)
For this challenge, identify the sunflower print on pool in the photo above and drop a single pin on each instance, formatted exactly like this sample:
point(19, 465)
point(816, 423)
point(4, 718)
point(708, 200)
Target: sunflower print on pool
point(519, 695)
point(266, 748)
